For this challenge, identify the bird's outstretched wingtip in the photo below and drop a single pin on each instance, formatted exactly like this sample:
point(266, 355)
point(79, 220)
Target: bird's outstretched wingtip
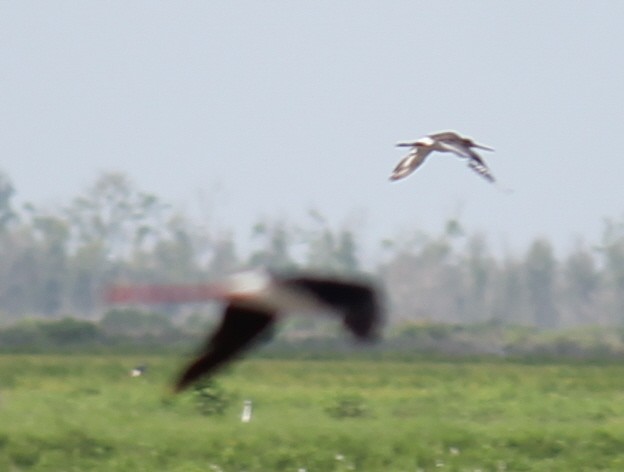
point(187, 378)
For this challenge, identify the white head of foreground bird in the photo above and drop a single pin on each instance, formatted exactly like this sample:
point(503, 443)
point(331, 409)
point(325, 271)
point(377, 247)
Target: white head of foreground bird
point(255, 301)
point(445, 141)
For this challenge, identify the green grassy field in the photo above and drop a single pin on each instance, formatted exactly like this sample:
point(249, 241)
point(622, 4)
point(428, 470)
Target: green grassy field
point(83, 413)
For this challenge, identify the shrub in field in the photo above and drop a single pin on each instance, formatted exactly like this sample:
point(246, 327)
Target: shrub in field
point(427, 331)
point(25, 332)
point(54, 451)
point(347, 406)
point(69, 330)
point(135, 323)
point(49, 333)
point(24, 455)
point(211, 399)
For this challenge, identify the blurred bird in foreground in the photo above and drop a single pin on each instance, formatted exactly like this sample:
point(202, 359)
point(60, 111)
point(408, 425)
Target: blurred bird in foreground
point(445, 141)
point(256, 301)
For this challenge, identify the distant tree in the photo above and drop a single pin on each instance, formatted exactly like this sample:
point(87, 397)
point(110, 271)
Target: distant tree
point(20, 276)
point(7, 191)
point(479, 268)
point(321, 250)
point(51, 234)
point(346, 253)
point(453, 228)
point(115, 216)
point(330, 250)
point(581, 282)
point(224, 259)
point(109, 225)
point(510, 304)
point(57, 260)
point(274, 253)
point(540, 266)
point(88, 273)
point(612, 250)
point(423, 282)
point(173, 257)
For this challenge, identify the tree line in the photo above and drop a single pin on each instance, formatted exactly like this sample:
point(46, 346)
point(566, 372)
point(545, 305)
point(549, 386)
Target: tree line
point(54, 262)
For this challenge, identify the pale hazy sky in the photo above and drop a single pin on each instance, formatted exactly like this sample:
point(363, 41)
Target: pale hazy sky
point(270, 108)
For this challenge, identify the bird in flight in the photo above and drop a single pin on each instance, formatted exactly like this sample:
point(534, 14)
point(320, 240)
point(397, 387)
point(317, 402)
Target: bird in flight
point(445, 141)
point(255, 301)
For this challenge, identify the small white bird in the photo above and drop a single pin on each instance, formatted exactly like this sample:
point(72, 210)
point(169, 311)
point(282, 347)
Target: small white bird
point(138, 371)
point(246, 415)
point(445, 141)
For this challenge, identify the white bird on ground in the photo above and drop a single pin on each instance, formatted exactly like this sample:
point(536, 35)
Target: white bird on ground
point(246, 415)
point(138, 370)
point(445, 141)
point(256, 300)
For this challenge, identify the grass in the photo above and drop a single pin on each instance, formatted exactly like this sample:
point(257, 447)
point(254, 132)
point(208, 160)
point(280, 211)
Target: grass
point(85, 413)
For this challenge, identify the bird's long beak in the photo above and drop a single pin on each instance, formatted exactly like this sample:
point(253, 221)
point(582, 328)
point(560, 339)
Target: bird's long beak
point(480, 146)
point(407, 144)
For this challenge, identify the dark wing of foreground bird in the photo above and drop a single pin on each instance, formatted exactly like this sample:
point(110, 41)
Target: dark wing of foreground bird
point(357, 303)
point(410, 163)
point(238, 329)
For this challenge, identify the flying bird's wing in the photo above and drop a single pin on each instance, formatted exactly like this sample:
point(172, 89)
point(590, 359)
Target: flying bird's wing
point(445, 136)
point(455, 148)
point(474, 160)
point(480, 168)
point(409, 163)
point(238, 329)
point(363, 315)
point(357, 303)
